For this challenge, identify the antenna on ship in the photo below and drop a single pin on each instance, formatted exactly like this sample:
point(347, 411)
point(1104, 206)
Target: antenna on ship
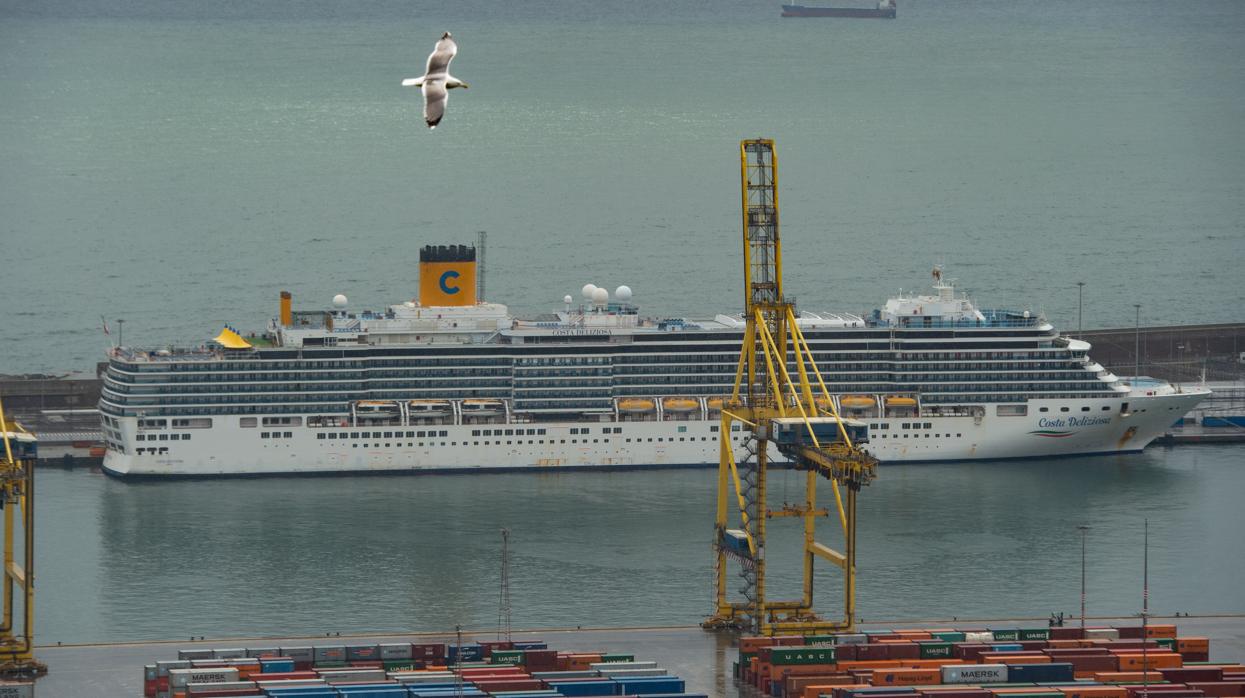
point(503, 604)
point(481, 239)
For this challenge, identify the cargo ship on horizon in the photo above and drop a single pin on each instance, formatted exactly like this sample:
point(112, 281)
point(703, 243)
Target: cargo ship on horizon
point(450, 382)
point(885, 10)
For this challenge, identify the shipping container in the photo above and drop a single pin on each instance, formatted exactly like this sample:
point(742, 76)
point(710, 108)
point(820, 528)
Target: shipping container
point(1039, 673)
point(974, 673)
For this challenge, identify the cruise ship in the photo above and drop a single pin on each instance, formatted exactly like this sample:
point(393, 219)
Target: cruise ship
point(450, 382)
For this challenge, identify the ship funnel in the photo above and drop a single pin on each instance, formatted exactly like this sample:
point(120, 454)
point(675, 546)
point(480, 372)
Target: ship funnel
point(287, 311)
point(447, 275)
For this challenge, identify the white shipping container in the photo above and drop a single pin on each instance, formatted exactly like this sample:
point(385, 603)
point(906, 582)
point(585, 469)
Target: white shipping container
point(622, 665)
point(229, 653)
point(340, 675)
point(983, 637)
point(263, 652)
point(851, 639)
point(974, 673)
point(299, 654)
point(422, 676)
point(195, 654)
point(396, 651)
point(178, 678)
point(1102, 634)
point(16, 689)
point(163, 666)
point(628, 673)
point(289, 683)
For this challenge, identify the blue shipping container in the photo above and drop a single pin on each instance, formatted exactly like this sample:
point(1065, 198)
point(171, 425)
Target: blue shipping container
point(585, 688)
point(649, 685)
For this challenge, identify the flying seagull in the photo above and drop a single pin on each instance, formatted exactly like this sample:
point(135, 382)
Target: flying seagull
point(437, 80)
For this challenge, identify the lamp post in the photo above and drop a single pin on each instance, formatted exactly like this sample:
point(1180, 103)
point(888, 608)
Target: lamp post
point(1080, 287)
point(120, 332)
point(1137, 347)
point(1084, 532)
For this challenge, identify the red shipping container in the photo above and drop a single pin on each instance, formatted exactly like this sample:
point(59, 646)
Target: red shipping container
point(969, 652)
point(509, 685)
point(846, 653)
point(1193, 673)
point(1220, 688)
point(435, 650)
point(873, 652)
point(1067, 633)
point(905, 650)
point(540, 660)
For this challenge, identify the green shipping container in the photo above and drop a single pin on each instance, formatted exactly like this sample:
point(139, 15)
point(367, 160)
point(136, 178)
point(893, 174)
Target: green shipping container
point(949, 636)
point(1168, 642)
point(1000, 635)
point(514, 657)
point(935, 650)
point(802, 655)
point(1032, 634)
point(618, 657)
point(399, 665)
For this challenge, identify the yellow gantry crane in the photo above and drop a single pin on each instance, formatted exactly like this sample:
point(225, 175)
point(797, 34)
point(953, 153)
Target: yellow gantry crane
point(17, 489)
point(779, 400)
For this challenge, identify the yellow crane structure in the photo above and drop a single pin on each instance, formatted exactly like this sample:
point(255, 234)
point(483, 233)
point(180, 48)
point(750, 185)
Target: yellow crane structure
point(17, 489)
point(779, 400)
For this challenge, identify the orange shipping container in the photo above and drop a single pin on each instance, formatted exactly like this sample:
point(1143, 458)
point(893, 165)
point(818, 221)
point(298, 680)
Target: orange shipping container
point(906, 677)
point(1128, 677)
point(999, 658)
point(1153, 631)
point(1192, 644)
point(1093, 692)
point(871, 664)
point(752, 644)
point(1152, 660)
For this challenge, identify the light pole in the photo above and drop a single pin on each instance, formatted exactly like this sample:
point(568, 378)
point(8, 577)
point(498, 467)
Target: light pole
point(120, 332)
point(1084, 532)
point(1137, 347)
point(1080, 286)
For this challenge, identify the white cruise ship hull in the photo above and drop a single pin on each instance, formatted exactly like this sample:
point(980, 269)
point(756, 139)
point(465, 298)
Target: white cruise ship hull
point(1068, 427)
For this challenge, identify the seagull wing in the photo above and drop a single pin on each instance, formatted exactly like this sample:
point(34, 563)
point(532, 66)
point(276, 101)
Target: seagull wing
point(439, 59)
point(435, 99)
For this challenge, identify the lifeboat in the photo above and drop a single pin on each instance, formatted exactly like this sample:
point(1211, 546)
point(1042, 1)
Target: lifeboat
point(375, 409)
point(824, 404)
point(679, 404)
point(428, 409)
point(715, 403)
point(857, 402)
point(897, 401)
point(636, 405)
point(482, 408)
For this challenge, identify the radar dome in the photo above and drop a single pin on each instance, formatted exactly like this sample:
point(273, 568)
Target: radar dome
point(623, 293)
point(339, 301)
point(1026, 315)
point(587, 290)
point(600, 296)
point(567, 299)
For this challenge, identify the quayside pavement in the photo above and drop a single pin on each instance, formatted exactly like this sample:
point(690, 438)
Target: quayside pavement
point(701, 658)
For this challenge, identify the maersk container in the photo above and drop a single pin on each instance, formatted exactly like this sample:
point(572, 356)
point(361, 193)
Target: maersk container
point(178, 678)
point(1039, 673)
point(329, 653)
point(195, 654)
point(974, 673)
point(396, 650)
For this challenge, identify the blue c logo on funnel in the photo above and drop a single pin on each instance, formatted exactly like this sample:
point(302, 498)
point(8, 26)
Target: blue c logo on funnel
point(445, 286)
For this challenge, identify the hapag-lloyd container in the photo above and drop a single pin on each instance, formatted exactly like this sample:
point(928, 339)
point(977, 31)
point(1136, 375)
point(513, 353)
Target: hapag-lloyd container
point(329, 654)
point(974, 673)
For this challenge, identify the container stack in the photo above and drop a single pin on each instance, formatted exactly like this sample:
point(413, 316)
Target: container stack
point(407, 670)
point(1056, 662)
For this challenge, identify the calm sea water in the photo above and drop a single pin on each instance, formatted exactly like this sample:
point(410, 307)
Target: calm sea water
point(122, 561)
point(177, 163)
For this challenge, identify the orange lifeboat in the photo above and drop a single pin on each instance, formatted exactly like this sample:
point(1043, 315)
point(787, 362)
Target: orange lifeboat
point(715, 403)
point(857, 402)
point(427, 409)
point(636, 405)
point(679, 404)
point(899, 401)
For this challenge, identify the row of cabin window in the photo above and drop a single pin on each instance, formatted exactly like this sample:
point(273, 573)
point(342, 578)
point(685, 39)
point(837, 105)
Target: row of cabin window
point(162, 437)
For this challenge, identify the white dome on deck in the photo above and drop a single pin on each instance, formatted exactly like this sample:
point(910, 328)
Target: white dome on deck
point(623, 293)
point(587, 291)
point(339, 301)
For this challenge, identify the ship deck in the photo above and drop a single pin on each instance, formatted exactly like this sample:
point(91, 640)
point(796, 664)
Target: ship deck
point(702, 659)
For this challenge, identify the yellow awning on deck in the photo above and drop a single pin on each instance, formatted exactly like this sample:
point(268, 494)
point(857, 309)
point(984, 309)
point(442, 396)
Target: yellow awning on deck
point(231, 340)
